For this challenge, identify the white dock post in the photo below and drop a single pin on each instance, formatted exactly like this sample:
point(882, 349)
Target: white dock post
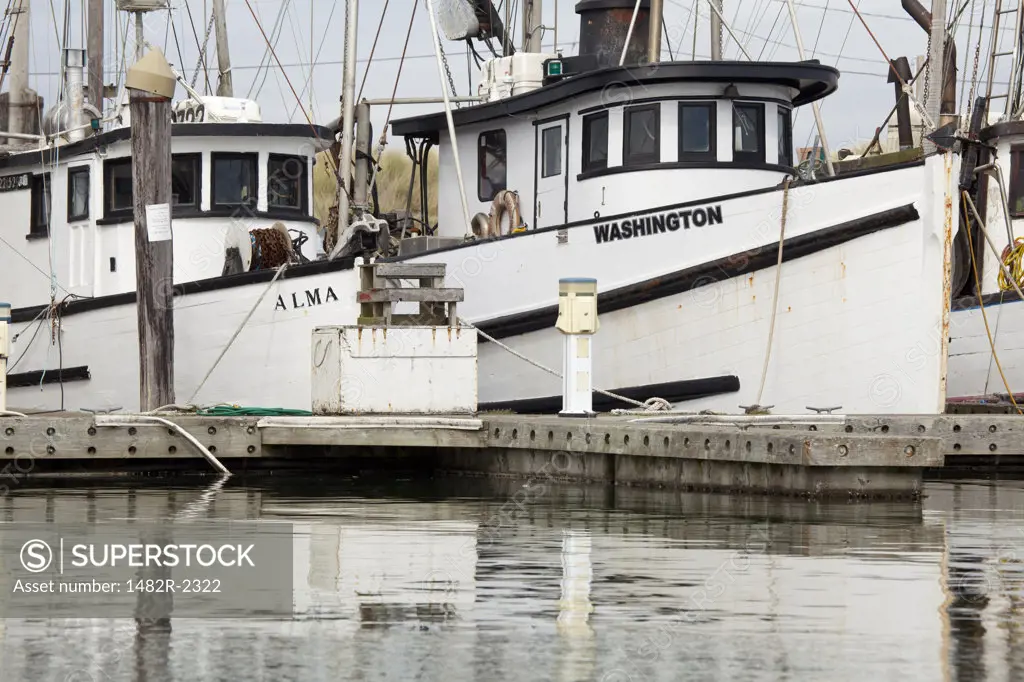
point(5, 350)
point(577, 320)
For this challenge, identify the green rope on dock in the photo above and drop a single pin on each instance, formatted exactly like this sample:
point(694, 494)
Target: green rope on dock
point(239, 411)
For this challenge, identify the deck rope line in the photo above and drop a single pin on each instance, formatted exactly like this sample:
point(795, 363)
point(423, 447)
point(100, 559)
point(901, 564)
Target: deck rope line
point(650, 405)
point(280, 271)
point(981, 298)
point(116, 420)
point(775, 298)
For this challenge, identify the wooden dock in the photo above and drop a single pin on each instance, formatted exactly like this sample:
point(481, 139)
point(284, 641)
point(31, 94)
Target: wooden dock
point(808, 455)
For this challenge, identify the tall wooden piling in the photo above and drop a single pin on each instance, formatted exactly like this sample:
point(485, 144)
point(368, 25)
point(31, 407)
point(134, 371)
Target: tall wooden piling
point(152, 86)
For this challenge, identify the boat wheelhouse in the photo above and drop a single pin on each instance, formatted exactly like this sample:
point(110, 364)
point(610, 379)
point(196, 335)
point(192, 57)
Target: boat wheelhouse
point(69, 209)
point(623, 139)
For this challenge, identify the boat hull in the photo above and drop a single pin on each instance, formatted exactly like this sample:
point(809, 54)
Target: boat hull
point(687, 300)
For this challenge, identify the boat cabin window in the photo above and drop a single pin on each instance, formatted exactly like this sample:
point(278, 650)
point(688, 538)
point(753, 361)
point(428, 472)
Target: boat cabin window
point(185, 185)
point(287, 183)
point(697, 128)
point(235, 180)
point(493, 161)
point(41, 202)
point(117, 185)
point(78, 194)
point(641, 136)
point(595, 142)
point(1017, 182)
point(551, 151)
point(785, 137)
point(748, 133)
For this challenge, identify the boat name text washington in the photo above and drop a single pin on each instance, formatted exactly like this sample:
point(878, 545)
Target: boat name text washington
point(669, 221)
point(306, 299)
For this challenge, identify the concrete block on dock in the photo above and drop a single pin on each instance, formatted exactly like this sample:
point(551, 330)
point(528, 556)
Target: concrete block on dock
point(394, 370)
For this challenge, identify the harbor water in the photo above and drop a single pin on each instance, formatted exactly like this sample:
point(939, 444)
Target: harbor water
point(472, 579)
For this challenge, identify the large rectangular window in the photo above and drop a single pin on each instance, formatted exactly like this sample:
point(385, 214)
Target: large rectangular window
point(287, 184)
point(697, 132)
point(641, 136)
point(41, 203)
point(748, 133)
point(1016, 182)
point(551, 151)
point(117, 188)
point(785, 138)
point(493, 164)
point(595, 142)
point(235, 180)
point(186, 181)
point(78, 194)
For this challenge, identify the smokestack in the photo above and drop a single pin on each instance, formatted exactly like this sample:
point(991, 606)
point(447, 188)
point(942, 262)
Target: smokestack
point(604, 25)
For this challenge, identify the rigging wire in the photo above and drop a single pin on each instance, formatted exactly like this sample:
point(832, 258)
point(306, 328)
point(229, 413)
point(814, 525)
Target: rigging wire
point(275, 35)
point(202, 53)
point(373, 50)
point(273, 52)
point(313, 64)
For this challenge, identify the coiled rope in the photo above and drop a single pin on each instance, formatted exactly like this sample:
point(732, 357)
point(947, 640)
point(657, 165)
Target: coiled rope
point(1013, 259)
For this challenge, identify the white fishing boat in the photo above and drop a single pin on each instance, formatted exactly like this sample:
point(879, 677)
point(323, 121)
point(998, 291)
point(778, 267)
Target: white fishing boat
point(725, 277)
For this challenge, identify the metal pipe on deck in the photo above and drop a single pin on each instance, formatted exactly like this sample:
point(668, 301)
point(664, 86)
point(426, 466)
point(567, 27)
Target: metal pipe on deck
point(5, 350)
point(654, 31)
point(360, 183)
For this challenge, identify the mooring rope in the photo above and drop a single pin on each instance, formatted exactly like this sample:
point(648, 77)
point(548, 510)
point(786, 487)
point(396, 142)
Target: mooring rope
point(650, 405)
point(775, 298)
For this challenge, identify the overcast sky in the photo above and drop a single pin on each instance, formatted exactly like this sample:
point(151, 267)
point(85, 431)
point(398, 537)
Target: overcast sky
point(306, 32)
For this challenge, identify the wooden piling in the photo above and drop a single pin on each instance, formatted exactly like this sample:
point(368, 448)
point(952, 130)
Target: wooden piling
point(154, 256)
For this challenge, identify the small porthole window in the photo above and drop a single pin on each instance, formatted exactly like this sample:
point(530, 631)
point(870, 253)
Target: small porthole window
point(493, 162)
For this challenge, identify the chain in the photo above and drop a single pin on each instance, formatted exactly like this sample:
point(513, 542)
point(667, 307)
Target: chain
point(448, 71)
point(928, 72)
point(202, 52)
point(974, 71)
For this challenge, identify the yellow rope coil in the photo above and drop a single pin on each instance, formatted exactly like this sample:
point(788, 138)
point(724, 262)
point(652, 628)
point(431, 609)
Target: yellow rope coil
point(1013, 259)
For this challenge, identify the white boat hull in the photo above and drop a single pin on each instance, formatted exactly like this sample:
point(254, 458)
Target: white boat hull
point(861, 289)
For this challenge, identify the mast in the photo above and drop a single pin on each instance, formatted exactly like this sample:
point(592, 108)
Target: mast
point(225, 87)
point(654, 32)
point(20, 98)
point(348, 114)
point(94, 46)
point(819, 124)
point(532, 25)
point(716, 30)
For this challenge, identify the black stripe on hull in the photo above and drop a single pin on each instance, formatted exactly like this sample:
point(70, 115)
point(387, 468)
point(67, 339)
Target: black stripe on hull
point(51, 376)
point(736, 265)
point(674, 392)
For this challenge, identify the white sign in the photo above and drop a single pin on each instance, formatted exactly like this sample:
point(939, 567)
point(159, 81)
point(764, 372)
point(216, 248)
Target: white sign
point(158, 222)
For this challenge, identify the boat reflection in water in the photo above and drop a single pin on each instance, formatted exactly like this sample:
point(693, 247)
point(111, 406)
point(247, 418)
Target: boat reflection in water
point(451, 580)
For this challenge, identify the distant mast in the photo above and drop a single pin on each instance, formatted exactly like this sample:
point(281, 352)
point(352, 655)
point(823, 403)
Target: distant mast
point(533, 25)
point(94, 59)
point(225, 88)
point(20, 98)
point(716, 32)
